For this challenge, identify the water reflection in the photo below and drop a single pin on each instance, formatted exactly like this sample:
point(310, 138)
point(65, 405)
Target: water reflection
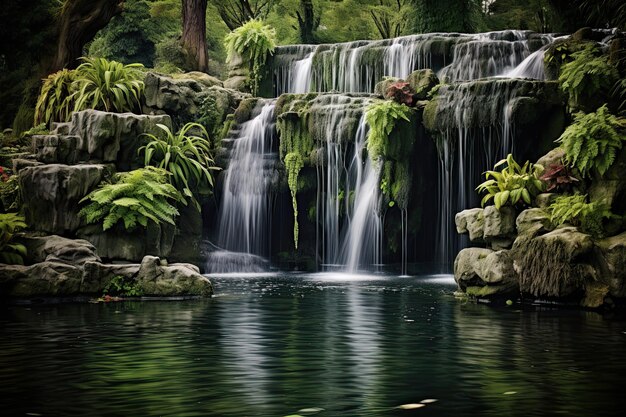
point(271, 345)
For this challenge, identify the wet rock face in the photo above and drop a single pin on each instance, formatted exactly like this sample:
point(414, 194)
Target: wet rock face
point(94, 135)
point(191, 97)
point(51, 194)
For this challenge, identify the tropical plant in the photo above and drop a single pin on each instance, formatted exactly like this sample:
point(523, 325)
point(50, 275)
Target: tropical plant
point(55, 102)
point(513, 185)
point(253, 41)
point(559, 178)
point(123, 287)
point(401, 92)
point(382, 117)
point(10, 251)
point(187, 157)
point(107, 85)
point(133, 198)
point(593, 140)
point(588, 75)
point(575, 210)
point(9, 192)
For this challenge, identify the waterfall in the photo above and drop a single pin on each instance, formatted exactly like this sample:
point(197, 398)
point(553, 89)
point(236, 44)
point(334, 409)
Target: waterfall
point(531, 67)
point(358, 66)
point(361, 242)
point(244, 224)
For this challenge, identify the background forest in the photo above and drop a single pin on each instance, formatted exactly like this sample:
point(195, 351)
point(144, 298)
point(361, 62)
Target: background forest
point(149, 31)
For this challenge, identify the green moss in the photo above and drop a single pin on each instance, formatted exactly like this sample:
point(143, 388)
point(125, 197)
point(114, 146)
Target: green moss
point(429, 117)
point(480, 292)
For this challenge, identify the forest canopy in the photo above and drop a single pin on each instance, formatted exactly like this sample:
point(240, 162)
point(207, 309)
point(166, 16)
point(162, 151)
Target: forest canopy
point(150, 31)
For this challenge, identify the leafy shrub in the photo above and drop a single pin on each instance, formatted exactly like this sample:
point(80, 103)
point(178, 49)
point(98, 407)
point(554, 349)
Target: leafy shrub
point(10, 251)
point(123, 287)
point(588, 77)
point(40, 129)
point(55, 102)
point(593, 140)
point(559, 178)
point(382, 118)
point(186, 157)
point(401, 92)
point(254, 41)
point(575, 210)
point(133, 198)
point(170, 58)
point(513, 185)
point(9, 192)
point(107, 85)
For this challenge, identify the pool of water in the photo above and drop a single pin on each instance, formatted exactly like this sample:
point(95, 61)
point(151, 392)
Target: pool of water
point(321, 344)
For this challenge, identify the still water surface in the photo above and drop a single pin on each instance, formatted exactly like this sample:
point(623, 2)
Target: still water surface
point(271, 345)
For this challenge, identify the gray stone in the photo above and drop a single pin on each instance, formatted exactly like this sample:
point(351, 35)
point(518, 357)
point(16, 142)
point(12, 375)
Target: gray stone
point(113, 137)
point(554, 157)
point(119, 244)
point(544, 200)
point(471, 221)
point(497, 268)
point(51, 195)
point(533, 221)
point(498, 223)
point(176, 279)
point(201, 77)
point(422, 81)
point(182, 98)
point(59, 249)
point(237, 82)
point(44, 279)
point(613, 263)
point(51, 149)
point(20, 163)
point(467, 265)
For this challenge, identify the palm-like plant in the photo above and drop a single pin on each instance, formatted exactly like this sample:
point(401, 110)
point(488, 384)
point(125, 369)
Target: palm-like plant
point(107, 85)
point(513, 184)
point(186, 156)
point(55, 102)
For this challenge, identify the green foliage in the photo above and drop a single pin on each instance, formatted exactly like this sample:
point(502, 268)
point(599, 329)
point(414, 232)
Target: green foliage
point(588, 75)
point(40, 129)
point(513, 185)
point(169, 57)
point(107, 85)
point(294, 163)
point(129, 36)
point(187, 157)
point(55, 102)
point(122, 287)
point(23, 119)
point(254, 42)
point(9, 192)
point(10, 251)
point(447, 16)
point(382, 117)
point(575, 210)
point(133, 198)
point(593, 140)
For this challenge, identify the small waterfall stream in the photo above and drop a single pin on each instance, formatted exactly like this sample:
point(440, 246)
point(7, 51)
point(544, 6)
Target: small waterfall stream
point(244, 215)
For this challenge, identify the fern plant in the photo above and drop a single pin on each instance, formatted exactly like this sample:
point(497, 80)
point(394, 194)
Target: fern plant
point(11, 252)
point(513, 185)
point(133, 199)
point(254, 41)
point(107, 85)
point(588, 75)
point(593, 140)
point(382, 118)
point(185, 156)
point(55, 102)
point(575, 210)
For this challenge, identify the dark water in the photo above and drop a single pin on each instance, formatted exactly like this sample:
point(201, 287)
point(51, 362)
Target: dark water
point(272, 346)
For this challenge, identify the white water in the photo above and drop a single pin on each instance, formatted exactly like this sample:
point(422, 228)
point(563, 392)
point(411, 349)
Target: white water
point(244, 215)
point(531, 67)
point(358, 66)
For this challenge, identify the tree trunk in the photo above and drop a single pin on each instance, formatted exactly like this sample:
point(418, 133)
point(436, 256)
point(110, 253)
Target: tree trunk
point(307, 21)
point(194, 34)
point(79, 22)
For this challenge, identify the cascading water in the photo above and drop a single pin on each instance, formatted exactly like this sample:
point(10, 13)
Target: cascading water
point(358, 66)
point(244, 215)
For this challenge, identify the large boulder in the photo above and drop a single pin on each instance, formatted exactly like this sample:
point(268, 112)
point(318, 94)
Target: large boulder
point(468, 266)
point(44, 279)
point(59, 249)
point(471, 221)
point(613, 263)
point(555, 264)
point(533, 221)
point(190, 98)
point(483, 273)
point(51, 194)
point(119, 244)
point(422, 81)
